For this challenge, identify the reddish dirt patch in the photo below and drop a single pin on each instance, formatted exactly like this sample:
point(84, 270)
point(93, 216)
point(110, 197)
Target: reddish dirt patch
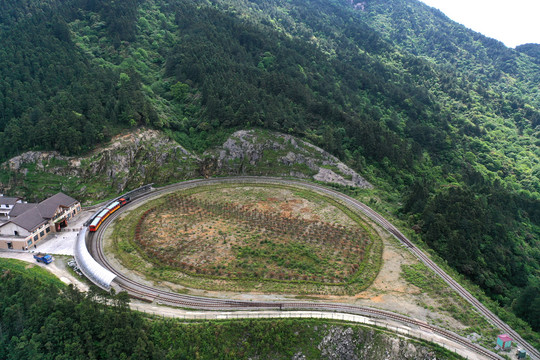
point(246, 241)
point(377, 299)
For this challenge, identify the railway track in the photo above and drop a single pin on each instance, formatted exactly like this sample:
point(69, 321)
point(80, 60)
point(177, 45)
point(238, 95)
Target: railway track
point(144, 292)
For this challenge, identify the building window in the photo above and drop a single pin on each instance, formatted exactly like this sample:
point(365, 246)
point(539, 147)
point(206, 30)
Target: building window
point(30, 242)
point(41, 234)
point(36, 238)
point(48, 229)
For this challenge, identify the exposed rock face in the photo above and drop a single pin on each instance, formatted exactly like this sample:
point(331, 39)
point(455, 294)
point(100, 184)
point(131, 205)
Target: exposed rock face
point(251, 152)
point(340, 343)
point(244, 145)
point(130, 160)
point(357, 5)
point(148, 156)
point(140, 158)
point(359, 343)
point(40, 159)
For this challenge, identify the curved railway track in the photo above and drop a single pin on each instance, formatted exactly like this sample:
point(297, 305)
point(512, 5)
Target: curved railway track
point(148, 293)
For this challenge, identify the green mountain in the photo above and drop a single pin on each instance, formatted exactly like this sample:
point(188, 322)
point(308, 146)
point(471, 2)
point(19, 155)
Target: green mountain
point(533, 50)
point(437, 116)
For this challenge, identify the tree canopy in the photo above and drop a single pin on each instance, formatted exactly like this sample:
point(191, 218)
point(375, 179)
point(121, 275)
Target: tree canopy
point(441, 115)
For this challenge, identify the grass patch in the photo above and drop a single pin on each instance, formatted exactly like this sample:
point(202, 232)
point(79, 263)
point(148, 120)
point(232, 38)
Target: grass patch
point(449, 302)
point(9, 267)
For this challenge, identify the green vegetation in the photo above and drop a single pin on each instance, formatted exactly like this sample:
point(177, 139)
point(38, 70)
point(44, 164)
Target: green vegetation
point(443, 119)
point(54, 98)
point(40, 318)
point(250, 242)
point(19, 269)
point(199, 238)
point(448, 301)
point(129, 161)
point(39, 185)
point(278, 339)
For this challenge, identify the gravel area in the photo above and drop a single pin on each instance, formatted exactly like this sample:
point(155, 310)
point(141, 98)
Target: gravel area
point(63, 243)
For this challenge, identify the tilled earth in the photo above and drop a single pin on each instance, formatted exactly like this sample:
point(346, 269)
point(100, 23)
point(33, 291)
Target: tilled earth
point(275, 237)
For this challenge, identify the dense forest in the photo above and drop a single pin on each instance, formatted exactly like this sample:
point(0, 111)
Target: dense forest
point(425, 108)
point(41, 318)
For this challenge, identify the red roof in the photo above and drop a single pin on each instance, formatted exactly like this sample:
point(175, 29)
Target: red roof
point(505, 337)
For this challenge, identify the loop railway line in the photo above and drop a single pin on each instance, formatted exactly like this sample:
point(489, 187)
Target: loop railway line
point(151, 294)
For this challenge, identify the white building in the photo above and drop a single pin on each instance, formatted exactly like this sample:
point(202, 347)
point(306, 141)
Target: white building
point(7, 203)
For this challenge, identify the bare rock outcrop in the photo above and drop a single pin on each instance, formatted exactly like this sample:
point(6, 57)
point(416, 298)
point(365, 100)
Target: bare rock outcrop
point(251, 152)
point(42, 159)
point(148, 156)
point(357, 343)
point(129, 160)
point(339, 343)
point(142, 157)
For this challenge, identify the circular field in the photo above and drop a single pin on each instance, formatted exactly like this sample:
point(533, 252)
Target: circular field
point(268, 237)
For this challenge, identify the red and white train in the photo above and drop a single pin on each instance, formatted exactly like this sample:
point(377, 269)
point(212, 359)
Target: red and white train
point(105, 213)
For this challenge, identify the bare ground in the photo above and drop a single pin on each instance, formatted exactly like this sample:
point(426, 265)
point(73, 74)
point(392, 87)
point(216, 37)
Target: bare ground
point(198, 235)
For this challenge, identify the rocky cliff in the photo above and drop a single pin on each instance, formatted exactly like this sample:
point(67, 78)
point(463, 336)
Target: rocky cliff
point(149, 156)
point(131, 160)
point(360, 343)
point(255, 152)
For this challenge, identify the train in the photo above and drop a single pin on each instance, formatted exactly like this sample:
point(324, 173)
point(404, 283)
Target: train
point(105, 213)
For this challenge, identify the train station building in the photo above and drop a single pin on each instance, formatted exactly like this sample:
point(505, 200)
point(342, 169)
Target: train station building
point(26, 224)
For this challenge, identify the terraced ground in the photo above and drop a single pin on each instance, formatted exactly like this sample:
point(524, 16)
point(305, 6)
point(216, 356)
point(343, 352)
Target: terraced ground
point(268, 238)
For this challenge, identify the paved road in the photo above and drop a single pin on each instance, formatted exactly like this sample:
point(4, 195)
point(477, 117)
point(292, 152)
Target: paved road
point(57, 267)
point(63, 243)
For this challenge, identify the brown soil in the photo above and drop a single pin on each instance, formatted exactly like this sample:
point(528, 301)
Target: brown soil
point(264, 239)
point(279, 201)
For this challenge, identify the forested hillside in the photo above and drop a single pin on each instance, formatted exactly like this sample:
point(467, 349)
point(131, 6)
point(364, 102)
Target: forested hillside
point(41, 318)
point(441, 117)
point(52, 96)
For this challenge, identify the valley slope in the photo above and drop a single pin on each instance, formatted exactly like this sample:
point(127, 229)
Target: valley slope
point(440, 119)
